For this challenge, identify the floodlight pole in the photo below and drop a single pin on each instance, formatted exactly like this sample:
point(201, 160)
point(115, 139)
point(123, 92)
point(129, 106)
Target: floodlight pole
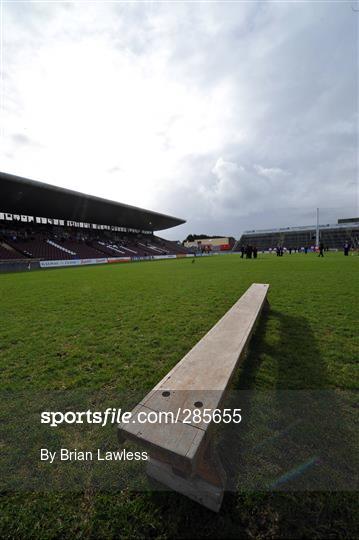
point(317, 230)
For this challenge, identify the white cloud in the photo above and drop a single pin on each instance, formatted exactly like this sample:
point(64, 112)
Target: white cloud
point(273, 173)
point(212, 112)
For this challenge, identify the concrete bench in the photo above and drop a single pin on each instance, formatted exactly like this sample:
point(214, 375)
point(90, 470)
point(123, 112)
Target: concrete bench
point(182, 455)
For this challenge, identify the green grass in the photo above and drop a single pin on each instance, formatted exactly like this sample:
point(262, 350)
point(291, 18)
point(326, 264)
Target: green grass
point(116, 330)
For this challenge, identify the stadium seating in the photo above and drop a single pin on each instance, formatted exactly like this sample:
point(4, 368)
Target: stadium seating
point(109, 249)
point(80, 249)
point(170, 247)
point(56, 243)
point(7, 252)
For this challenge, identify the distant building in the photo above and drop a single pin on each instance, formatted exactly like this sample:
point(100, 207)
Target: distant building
point(223, 243)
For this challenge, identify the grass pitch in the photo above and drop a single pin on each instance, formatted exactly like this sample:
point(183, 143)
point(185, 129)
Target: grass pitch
point(116, 328)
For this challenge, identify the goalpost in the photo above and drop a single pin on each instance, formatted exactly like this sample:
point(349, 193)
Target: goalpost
point(317, 231)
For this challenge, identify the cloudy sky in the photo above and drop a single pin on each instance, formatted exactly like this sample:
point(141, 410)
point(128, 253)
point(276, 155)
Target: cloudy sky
point(231, 115)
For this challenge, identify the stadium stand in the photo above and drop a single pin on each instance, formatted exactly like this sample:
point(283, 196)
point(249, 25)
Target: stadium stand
point(332, 236)
point(50, 245)
point(72, 230)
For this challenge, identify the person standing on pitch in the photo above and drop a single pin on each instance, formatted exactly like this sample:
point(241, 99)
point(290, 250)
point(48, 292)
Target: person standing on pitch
point(346, 249)
point(242, 252)
point(321, 250)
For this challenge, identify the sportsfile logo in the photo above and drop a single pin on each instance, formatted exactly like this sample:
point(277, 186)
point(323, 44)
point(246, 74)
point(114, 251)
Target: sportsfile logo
point(109, 416)
point(117, 416)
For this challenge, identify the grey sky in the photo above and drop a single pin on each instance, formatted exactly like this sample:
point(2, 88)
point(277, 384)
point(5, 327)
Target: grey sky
point(231, 115)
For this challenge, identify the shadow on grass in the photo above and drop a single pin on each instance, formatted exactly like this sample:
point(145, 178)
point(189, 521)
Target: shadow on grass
point(294, 437)
point(299, 434)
